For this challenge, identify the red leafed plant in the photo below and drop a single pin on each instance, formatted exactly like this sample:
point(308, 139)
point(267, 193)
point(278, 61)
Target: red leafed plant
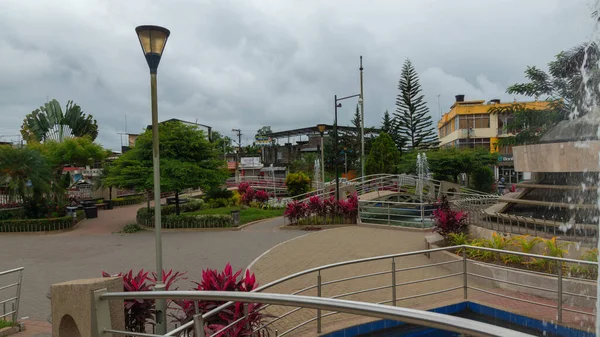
point(447, 221)
point(330, 205)
point(295, 210)
point(243, 188)
point(213, 280)
point(316, 205)
point(248, 196)
point(140, 312)
point(349, 208)
point(137, 312)
point(261, 196)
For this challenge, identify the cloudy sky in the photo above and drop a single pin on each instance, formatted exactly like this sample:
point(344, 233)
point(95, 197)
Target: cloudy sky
point(247, 63)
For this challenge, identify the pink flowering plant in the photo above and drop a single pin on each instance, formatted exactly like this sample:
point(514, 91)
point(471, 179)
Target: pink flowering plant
point(448, 221)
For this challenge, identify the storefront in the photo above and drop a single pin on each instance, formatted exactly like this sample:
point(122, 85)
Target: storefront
point(506, 169)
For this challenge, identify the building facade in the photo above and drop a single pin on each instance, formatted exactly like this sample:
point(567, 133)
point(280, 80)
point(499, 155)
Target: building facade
point(469, 124)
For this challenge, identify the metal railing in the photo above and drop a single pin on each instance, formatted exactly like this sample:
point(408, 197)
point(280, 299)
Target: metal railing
point(405, 214)
point(12, 302)
point(517, 224)
point(411, 316)
point(387, 290)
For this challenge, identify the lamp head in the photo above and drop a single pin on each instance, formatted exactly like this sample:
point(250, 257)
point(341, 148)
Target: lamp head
point(322, 128)
point(339, 105)
point(153, 40)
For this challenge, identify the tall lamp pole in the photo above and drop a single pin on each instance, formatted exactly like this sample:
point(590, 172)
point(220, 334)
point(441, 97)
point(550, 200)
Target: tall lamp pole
point(361, 101)
point(322, 128)
point(346, 161)
point(335, 142)
point(153, 40)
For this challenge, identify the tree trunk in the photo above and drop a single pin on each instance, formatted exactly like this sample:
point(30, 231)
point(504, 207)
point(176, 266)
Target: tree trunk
point(148, 199)
point(177, 202)
point(110, 193)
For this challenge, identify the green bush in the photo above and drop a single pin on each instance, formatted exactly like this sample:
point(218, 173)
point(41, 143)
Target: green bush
point(297, 183)
point(12, 213)
point(40, 225)
point(483, 179)
point(217, 193)
point(131, 228)
point(191, 206)
point(126, 201)
point(146, 218)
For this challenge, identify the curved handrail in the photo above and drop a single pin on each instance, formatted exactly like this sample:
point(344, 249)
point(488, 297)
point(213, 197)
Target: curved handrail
point(411, 316)
point(374, 258)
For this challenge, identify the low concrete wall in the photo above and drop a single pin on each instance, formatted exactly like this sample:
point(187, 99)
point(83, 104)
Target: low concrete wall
point(524, 277)
point(557, 157)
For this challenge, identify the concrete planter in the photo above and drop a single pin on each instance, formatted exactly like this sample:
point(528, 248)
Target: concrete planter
point(9, 331)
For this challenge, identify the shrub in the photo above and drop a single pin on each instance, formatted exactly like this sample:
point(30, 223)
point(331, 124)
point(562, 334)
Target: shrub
point(131, 200)
point(140, 312)
point(448, 221)
point(40, 225)
point(11, 213)
point(483, 179)
point(236, 198)
point(213, 280)
point(349, 208)
point(248, 196)
point(316, 205)
point(261, 196)
point(297, 183)
point(191, 206)
point(243, 188)
point(295, 210)
point(145, 218)
point(131, 228)
point(218, 193)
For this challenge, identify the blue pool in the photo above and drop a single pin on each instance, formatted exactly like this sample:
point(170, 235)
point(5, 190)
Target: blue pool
point(470, 310)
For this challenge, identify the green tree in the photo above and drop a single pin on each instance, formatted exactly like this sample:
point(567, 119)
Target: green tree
point(483, 179)
point(389, 126)
point(527, 125)
point(305, 164)
point(223, 144)
point(384, 156)
point(27, 176)
point(412, 115)
point(263, 131)
point(187, 160)
point(297, 183)
point(50, 123)
point(573, 76)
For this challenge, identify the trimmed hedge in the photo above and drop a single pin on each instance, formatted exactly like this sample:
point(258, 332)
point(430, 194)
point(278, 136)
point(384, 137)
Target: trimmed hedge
point(145, 218)
point(191, 206)
point(128, 201)
point(40, 225)
point(11, 213)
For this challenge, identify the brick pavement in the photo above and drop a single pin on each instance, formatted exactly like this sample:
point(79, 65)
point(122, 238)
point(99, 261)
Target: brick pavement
point(350, 243)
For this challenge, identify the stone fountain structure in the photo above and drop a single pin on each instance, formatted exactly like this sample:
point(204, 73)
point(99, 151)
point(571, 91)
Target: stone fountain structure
point(562, 195)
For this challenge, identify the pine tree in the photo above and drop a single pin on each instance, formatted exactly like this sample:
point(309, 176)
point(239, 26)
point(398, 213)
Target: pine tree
point(412, 115)
point(389, 126)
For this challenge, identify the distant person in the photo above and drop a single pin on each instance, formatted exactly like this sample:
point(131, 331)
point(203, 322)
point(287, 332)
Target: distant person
point(501, 186)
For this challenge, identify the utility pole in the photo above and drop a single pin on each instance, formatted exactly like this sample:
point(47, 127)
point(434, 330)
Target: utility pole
point(362, 123)
point(238, 156)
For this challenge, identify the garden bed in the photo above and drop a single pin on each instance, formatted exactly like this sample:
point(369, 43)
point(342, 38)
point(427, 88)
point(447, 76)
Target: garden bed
point(40, 225)
point(247, 215)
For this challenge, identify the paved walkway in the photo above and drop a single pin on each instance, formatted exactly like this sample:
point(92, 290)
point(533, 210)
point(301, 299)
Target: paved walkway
point(349, 243)
point(94, 247)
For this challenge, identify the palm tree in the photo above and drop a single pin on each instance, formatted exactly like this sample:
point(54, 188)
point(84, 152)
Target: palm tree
point(50, 123)
point(25, 172)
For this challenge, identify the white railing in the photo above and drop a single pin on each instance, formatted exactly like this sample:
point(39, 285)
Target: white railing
point(10, 305)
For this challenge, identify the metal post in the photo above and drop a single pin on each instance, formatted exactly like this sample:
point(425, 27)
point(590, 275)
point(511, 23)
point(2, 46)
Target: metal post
point(319, 286)
point(161, 326)
point(199, 326)
point(346, 163)
point(464, 254)
point(388, 212)
point(335, 150)
point(393, 281)
point(560, 292)
point(322, 163)
point(247, 324)
point(16, 313)
point(362, 123)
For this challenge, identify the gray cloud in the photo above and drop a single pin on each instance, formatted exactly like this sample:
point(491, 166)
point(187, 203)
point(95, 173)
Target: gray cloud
point(244, 64)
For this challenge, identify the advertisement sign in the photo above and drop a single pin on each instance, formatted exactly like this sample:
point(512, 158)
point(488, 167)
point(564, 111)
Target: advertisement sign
point(262, 141)
point(505, 158)
point(250, 161)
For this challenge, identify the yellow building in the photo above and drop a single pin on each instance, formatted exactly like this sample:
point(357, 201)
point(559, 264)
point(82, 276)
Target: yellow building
point(470, 124)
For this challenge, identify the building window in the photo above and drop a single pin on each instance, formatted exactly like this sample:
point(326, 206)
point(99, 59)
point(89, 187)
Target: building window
point(471, 143)
point(477, 121)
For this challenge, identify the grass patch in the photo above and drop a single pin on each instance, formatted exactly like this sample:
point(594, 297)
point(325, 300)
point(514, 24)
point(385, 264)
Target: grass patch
point(6, 324)
point(246, 215)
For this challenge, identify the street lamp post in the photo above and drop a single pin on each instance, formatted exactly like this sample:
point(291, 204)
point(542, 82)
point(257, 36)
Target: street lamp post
point(153, 40)
point(335, 142)
point(346, 161)
point(322, 128)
